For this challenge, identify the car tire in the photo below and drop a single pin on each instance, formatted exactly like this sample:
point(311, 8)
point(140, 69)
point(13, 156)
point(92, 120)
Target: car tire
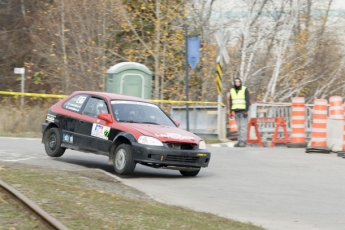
point(123, 160)
point(52, 143)
point(190, 173)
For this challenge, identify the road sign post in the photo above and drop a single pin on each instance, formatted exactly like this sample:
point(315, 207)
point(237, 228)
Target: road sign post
point(22, 72)
point(192, 46)
point(222, 40)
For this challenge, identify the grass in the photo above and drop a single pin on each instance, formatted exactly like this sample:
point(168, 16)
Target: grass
point(79, 203)
point(212, 141)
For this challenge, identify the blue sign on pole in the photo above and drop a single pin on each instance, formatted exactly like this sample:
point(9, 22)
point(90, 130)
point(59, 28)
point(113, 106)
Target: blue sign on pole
point(193, 51)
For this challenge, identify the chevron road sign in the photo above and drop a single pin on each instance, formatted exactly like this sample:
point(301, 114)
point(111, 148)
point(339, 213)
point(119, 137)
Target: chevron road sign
point(223, 53)
point(219, 74)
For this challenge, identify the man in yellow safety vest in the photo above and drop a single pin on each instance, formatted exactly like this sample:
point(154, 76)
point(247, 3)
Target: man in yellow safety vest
point(239, 106)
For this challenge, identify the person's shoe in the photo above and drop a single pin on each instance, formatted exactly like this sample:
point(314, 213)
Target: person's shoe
point(237, 144)
point(242, 144)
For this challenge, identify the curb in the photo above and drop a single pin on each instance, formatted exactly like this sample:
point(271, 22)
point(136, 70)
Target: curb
point(228, 144)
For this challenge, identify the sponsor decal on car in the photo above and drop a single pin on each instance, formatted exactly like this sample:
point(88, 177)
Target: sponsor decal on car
point(100, 131)
point(50, 117)
point(73, 107)
point(175, 136)
point(67, 137)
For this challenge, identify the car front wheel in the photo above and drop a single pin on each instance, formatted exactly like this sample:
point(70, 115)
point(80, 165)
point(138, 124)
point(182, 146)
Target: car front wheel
point(52, 143)
point(190, 173)
point(123, 160)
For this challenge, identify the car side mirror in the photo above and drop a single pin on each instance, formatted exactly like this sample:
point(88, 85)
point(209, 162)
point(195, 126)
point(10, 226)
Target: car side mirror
point(177, 123)
point(105, 117)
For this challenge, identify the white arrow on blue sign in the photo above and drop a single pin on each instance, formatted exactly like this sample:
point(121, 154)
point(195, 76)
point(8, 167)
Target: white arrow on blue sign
point(193, 51)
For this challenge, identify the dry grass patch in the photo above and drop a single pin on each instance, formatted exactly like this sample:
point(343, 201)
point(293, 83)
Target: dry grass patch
point(71, 199)
point(26, 123)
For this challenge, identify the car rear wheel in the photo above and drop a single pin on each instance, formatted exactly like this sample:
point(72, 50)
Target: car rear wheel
point(190, 173)
point(52, 143)
point(123, 160)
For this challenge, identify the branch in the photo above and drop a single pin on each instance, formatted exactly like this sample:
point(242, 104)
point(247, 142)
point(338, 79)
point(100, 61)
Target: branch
point(124, 14)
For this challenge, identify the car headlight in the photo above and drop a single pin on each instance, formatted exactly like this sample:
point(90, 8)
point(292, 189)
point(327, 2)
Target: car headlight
point(145, 140)
point(202, 145)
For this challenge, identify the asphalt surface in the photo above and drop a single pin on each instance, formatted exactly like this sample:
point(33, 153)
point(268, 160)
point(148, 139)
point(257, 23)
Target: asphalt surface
point(276, 188)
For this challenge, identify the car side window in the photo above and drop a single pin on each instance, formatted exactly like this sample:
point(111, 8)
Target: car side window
point(95, 106)
point(75, 103)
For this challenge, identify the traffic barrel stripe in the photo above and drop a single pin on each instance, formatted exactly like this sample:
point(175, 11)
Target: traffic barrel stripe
point(336, 109)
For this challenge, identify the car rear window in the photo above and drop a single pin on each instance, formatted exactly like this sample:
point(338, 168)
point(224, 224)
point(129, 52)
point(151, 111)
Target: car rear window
point(75, 103)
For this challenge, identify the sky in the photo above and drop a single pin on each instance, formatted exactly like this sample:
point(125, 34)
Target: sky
point(338, 4)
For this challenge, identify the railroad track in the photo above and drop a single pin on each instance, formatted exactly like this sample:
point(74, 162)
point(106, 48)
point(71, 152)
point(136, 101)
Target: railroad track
point(45, 219)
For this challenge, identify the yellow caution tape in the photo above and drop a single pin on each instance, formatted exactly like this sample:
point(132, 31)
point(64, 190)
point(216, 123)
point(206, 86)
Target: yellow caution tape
point(188, 102)
point(33, 94)
point(63, 96)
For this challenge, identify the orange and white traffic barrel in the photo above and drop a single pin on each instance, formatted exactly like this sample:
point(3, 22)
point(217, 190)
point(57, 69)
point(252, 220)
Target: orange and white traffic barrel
point(342, 153)
point(318, 142)
point(298, 123)
point(233, 125)
point(233, 128)
point(336, 109)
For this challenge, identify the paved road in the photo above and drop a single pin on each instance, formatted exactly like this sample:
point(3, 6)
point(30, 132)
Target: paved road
point(276, 188)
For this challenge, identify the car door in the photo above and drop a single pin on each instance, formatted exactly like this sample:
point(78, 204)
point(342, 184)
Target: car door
point(91, 133)
point(66, 119)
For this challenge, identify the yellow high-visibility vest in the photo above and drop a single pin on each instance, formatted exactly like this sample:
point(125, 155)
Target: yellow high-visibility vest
point(238, 99)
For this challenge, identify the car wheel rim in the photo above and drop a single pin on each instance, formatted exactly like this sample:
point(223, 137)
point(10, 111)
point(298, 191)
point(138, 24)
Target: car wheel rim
point(52, 142)
point(120, 159)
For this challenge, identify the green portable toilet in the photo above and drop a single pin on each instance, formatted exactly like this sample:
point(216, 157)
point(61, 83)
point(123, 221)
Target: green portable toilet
point(129, 78)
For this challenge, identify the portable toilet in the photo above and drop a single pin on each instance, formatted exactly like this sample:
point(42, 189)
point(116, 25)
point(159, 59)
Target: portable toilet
point(129, 78)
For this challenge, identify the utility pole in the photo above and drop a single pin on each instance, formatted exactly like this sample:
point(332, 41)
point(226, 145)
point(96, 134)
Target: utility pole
point(187, 77)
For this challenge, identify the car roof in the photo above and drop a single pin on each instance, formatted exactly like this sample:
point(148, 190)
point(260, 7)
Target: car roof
point(111, 96)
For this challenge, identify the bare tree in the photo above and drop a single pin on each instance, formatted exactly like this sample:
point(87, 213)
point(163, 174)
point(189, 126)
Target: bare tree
point(281, 45)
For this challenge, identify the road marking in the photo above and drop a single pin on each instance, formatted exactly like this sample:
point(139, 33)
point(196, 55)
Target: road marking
point(7, 156)
point(21, 138)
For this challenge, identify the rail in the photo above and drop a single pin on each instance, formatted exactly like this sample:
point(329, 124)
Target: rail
point(34, 208)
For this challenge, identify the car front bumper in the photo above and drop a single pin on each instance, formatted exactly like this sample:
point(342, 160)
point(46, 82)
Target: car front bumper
point(162, 156)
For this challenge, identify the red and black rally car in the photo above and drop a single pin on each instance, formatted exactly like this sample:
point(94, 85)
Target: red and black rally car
point(129, 130)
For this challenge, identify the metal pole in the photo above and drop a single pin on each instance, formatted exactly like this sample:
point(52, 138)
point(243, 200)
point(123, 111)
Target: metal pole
point(187, 68)
point(22, 86)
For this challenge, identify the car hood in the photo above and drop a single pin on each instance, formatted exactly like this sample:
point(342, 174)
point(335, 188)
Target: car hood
point(165, 133)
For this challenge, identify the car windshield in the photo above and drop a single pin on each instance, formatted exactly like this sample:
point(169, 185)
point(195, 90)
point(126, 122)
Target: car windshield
point(139, 112)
